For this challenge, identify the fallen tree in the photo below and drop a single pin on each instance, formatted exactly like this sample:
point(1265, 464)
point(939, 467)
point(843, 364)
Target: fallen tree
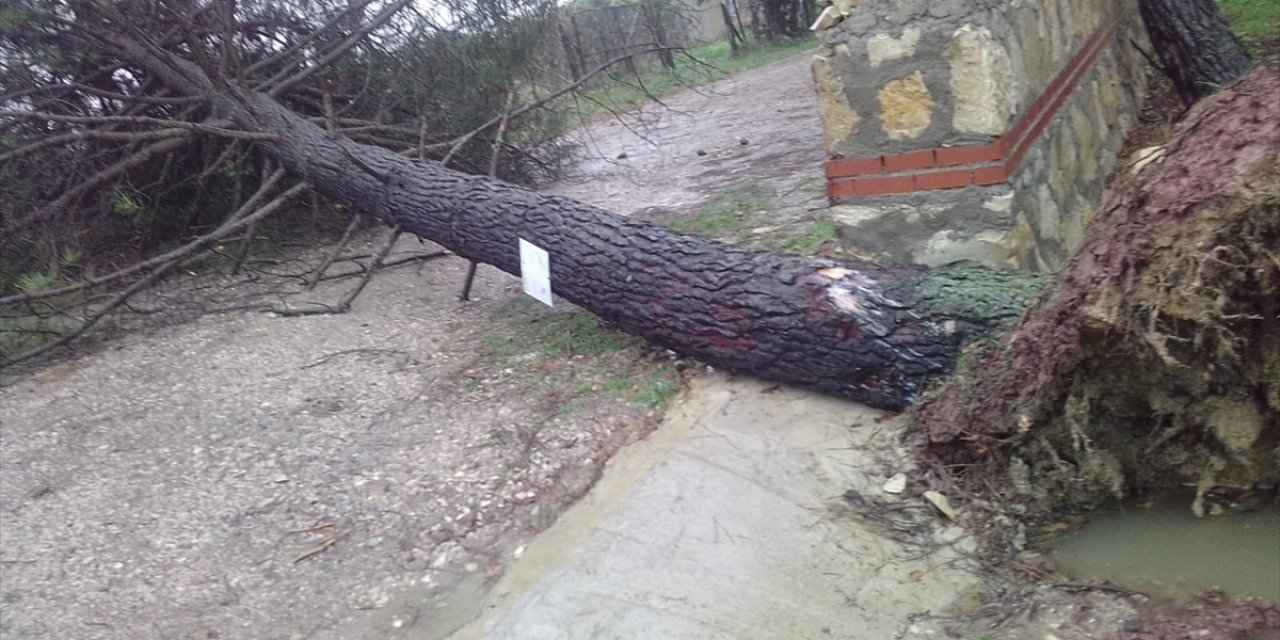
point(873, 333)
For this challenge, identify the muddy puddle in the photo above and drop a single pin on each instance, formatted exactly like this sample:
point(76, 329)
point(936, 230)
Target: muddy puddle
point(1165, 550)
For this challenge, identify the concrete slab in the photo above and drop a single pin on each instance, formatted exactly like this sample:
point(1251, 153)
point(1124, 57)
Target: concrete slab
point(724, 525)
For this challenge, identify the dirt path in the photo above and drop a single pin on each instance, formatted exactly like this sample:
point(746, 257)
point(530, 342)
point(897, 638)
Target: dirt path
point(771, 109)
point(249, 476)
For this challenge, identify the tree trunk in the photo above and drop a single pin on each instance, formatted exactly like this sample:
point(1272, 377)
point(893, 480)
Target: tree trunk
point(872, 333)
point(734, 38)
point(877, 334)
point(571, 57)
point(774, 18)
point(654, 17)
point(1155, 359)
point(1197, 47)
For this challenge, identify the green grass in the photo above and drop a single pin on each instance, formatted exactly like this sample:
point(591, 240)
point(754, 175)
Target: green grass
point(655, 388)
point(731, 215)
point(535, 341)
point(580, 332)
point(649, 389)
point(1257, 22)
point(742, 216)
point(697, 66)
point(522, 328)
point(810, 238)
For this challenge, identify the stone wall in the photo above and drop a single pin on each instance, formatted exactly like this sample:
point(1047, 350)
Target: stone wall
point(972, 129)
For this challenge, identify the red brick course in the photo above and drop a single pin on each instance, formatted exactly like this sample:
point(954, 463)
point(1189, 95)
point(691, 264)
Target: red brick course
point(880, 185)
point(854, 167)
point(948, 156)
point(908, 161)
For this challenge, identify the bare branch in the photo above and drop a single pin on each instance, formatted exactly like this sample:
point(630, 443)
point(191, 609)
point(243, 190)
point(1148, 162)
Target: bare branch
point(337, 52)
point(551, 97)
point(178, 257)
point(233, 224)
point(98, 179)
point(318, 274)
point(211, 126)
point(302, 42)
point(101, 93)
point(92, 134)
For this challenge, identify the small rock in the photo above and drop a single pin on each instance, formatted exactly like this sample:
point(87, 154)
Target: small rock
point(471, 567)
point(518, 552)
point(950, 534)
point(829, 17)
point(896, 484)
point(941, 503)
point(701, 152)
point(743, 141)
point(1143, 157)
point(279, 477)
point(622, 156)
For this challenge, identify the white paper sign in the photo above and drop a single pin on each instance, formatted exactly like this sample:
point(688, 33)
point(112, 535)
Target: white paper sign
point(535, 271)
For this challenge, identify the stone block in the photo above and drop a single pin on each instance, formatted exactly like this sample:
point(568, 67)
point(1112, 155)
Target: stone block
point(839, 120)
point(1020, 244)
point(854, 216)
point(999, 204)
point(1090, 151)
point(982, 83)
point(1062, 178)
point(950, 245)
point(1048, 216)
point(1073, 225)
point(882, 47)
point(906, 107)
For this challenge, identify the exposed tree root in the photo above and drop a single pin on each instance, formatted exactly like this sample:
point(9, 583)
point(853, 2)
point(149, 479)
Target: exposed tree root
point(1155, 360)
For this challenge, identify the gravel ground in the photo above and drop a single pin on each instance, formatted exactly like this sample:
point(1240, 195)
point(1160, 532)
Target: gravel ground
point(174, 483)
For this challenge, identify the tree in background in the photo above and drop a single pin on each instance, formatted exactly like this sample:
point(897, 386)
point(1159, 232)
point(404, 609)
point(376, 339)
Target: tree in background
point(1197, 48)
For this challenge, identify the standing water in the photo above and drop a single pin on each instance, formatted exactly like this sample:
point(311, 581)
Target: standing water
point(1165, 550)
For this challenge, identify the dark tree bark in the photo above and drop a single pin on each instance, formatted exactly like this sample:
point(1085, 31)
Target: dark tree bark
point(872, 333)
point(1196, 46)
point(775, 20)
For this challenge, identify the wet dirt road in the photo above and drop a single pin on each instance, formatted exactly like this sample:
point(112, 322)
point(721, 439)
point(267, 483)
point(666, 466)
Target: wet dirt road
point(772, 109)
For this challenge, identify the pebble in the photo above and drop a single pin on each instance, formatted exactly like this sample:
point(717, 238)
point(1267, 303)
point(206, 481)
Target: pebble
point(896, 484)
